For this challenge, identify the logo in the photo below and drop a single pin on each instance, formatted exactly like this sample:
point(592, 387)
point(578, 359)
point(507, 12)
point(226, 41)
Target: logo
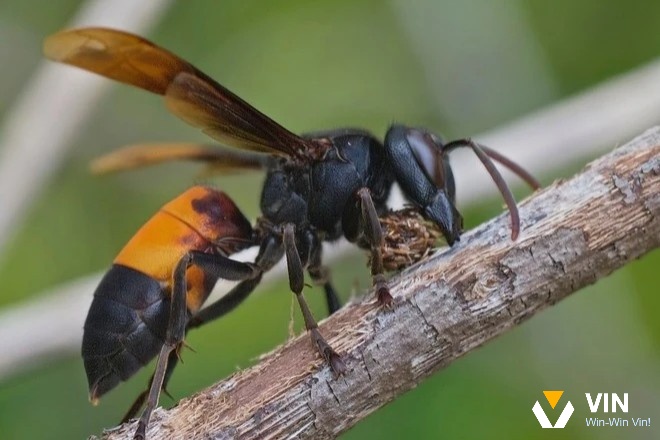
point(594, 403)
point(553, 397)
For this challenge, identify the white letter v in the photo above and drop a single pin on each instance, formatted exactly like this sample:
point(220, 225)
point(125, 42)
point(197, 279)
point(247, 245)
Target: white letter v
point(593, 406)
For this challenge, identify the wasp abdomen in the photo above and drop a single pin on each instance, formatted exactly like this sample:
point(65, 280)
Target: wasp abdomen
point(125, 327)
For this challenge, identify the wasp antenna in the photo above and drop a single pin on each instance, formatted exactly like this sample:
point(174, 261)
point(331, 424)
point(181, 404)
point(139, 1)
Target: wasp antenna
point(497, 178)
point(511, 165)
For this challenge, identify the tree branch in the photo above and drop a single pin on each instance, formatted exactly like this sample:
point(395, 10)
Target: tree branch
point(560, 128)
point(574, 233)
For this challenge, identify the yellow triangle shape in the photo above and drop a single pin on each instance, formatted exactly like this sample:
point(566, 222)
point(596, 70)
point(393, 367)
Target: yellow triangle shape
point(553, 397)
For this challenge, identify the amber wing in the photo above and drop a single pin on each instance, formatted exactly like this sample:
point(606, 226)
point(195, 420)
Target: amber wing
point(190, 94)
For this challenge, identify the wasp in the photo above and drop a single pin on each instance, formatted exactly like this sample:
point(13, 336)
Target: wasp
point(318, 187)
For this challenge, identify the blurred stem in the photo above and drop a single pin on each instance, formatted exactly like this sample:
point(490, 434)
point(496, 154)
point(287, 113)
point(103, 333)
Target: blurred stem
point(49, 113)
point(445, 307)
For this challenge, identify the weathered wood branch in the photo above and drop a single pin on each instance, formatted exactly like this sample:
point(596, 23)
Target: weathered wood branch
point(574, 233)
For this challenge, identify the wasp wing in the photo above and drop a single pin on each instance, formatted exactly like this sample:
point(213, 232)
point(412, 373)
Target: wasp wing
point(141, 155)
point(229, 119)
point(190, 94)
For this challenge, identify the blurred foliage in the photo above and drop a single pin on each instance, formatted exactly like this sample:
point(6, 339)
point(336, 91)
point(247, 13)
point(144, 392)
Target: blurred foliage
point(319, 64)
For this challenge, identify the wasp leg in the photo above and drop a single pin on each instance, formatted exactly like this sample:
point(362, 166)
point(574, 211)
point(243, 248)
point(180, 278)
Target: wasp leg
point(269, 254)
point(360, 221)
point(215, 265)
point(296, 283)
point(215, 310)
point(321, 276)
point(139, 401)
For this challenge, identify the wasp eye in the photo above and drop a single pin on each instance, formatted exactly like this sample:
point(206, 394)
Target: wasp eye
point(427, 153)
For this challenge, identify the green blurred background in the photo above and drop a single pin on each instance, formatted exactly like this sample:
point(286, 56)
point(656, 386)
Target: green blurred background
point(457, 67)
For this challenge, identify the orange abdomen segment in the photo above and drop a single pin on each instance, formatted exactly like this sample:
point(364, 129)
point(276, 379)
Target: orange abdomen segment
point(214, 216)
point(201, 219)
point(158, 246)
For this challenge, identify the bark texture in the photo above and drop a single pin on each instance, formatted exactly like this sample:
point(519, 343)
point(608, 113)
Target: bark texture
point(573, 233)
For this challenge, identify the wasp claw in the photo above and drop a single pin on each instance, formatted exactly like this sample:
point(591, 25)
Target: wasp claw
point(329, 355)
point(384, 297)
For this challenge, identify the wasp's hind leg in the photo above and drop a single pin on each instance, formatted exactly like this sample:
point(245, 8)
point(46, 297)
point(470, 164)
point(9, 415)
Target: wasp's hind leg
point(360, 222)
point(296, 283)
